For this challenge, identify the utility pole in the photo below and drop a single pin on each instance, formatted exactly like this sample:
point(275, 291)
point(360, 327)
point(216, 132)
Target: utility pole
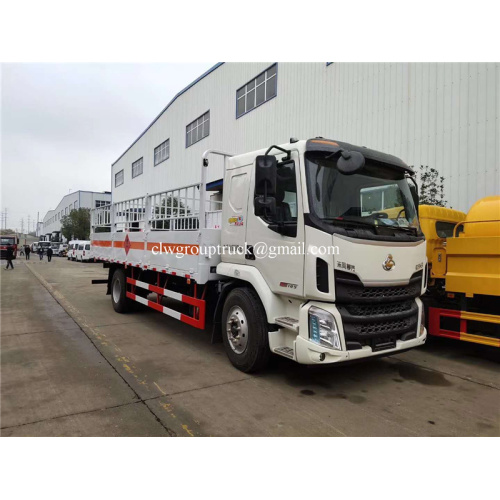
point(4, 219)
point(22, 225)
point(28, 224)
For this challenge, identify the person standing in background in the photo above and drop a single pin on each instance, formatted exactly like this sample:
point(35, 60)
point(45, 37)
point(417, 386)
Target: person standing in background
point(49, 253)
point(40, 252)
point(10, 256)
point(27, 251)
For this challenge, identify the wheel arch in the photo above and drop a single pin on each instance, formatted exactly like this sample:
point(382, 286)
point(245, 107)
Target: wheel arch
point(247, 277)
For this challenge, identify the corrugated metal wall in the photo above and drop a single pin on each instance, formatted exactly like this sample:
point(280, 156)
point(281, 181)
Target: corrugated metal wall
point(442, 115)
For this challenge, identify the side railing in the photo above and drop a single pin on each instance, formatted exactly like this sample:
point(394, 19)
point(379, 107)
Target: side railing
point(100, 219)
point(182, 209)
point(173, 210)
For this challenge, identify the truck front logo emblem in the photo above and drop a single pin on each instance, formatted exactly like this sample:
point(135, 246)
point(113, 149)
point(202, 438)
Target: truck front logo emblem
point(388, 263)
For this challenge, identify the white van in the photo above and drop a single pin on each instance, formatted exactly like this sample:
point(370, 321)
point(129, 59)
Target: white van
point(83, 252)
point(72, 246)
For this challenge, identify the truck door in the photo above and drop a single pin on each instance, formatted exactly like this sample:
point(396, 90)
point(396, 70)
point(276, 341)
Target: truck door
point(234, 214)
point(279, 257)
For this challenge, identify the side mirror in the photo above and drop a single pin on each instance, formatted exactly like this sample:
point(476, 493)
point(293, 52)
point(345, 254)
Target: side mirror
point(265, 206)
point(350, 162)
point(265, 185)
point(265, 175)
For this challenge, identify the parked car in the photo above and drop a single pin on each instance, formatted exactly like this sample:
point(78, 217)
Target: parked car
point(84, 253)
point(55, 248)
point(63, 250)
point(72, 247)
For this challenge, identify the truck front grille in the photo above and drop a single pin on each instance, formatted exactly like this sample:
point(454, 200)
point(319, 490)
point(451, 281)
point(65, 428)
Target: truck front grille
point(377, 309)
point(377, 316)
point(349, 288)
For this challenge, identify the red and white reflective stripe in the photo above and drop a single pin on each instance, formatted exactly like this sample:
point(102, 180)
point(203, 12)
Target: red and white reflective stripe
point(156, 289)
point(198, 322)
point(154, 305)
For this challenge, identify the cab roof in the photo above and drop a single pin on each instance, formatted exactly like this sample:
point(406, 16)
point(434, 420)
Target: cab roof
point(321, 144)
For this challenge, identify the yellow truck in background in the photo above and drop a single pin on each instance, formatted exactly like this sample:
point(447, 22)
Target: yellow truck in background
point(463, 253)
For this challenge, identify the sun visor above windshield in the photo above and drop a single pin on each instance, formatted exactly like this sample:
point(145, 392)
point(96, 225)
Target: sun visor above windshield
point(327, 145)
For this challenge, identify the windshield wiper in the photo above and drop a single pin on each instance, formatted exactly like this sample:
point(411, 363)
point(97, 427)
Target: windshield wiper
point(375, 227)
point(350, 221)
point(408, 229)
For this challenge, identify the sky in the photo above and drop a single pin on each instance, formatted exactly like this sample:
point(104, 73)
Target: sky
point(63, 125)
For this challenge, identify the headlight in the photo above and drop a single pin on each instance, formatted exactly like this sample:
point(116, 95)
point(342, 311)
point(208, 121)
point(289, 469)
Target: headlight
point(422, 320)
point(323, 328)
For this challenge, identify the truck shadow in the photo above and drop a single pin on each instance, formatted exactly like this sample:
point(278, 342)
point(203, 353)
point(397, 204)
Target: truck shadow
point(356, 377)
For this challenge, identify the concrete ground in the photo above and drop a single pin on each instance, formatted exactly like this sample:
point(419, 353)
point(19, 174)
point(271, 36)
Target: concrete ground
point(71, 366)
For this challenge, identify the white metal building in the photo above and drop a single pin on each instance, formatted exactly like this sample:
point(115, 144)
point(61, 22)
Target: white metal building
point(442, 115)
point(78, 199)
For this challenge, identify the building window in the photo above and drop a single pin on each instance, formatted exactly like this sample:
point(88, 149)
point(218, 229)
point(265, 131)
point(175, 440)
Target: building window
point(100, 203)
point(137, 168)
point(162, 152)
point(66, 211)
point(198, 130)
point(256, 92)
point(119, 178)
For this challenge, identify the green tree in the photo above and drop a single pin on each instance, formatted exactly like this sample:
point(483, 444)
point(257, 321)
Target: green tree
point(171, 207)
point(76, 225)
point(431, 190)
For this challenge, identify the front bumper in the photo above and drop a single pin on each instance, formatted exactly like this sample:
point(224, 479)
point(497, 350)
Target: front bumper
point(308, 352)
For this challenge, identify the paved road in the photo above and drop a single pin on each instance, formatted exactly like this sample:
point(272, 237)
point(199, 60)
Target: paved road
point(72, 366)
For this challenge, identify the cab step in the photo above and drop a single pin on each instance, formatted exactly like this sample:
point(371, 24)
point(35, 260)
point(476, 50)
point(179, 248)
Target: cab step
point(287, 352)
point(287, 322)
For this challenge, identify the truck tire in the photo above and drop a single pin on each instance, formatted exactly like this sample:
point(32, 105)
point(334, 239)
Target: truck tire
point(121, 304)
point(245, 331)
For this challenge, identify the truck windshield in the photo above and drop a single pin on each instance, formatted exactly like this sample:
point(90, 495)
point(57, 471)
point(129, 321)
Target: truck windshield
point(7, 241)
point(376, 196)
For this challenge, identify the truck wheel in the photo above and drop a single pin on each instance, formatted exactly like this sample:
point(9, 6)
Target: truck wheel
point(244, 331)
point(121, 304)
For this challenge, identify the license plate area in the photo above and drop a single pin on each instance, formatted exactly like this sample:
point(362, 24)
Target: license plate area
point(382, 344)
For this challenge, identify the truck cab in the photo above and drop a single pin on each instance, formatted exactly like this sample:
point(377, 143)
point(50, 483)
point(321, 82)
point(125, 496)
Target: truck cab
point(9, 240)
point(340, 279)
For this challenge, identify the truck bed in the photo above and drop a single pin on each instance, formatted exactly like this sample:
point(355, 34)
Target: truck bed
point(183, 253)
point(169, 232)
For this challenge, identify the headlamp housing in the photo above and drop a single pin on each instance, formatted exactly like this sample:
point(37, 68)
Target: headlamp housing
point(323, 329)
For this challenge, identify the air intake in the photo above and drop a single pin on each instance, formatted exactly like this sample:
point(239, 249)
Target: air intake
point(322, 276)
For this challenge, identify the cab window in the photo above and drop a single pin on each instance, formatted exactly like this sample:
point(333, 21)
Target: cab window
point(445, 229)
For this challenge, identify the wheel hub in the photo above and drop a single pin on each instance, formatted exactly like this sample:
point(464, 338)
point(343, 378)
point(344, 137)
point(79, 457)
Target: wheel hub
point(237, 330)
point(116, 291)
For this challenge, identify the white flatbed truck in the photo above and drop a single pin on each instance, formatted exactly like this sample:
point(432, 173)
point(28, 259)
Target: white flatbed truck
point(292, 261)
